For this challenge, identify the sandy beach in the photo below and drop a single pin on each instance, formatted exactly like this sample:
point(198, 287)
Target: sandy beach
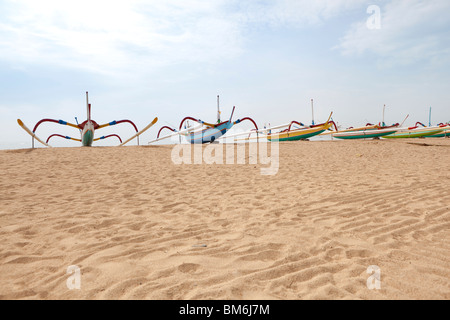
point(139, 226)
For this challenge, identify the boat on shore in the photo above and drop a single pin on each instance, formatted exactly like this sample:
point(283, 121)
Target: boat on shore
point(416, 132)
point(364, 134)
point(368, 126)
point(443, 134)
point(301, 133)
point(204, 132)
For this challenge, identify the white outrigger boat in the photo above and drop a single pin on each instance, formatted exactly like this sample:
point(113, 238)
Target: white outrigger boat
point(365, 134)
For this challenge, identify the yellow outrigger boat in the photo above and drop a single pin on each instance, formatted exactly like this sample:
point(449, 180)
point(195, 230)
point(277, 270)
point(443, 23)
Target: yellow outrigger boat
point(301, 133)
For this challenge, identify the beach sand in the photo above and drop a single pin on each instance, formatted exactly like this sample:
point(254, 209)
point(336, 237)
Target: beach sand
point(140, 227)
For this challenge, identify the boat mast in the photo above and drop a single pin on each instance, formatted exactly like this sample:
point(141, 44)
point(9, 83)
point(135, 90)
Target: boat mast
point(384, 107)
point(88, 107)
point(429, 120)
point(218, 110)
point(312, 108)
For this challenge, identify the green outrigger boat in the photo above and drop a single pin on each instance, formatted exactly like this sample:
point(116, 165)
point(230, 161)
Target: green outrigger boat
point(415, 133)
point(441, 135)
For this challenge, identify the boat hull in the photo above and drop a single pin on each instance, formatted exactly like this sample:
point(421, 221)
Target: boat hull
point(413, 134)
point(371, 127)
point(87, 136)
point(299, 134)
point(440, 135)
point(366, 134)
point(209, 135)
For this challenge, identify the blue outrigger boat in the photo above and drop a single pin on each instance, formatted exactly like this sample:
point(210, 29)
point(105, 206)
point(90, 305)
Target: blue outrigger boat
point(205, 132)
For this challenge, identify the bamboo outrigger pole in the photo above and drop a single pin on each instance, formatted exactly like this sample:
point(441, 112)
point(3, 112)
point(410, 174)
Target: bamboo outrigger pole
point(404, 121)
point(20, 122)
point(140, 132)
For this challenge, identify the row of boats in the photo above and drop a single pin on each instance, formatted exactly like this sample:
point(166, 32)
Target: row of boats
point(371, 131)
point(204, 132)
point(293, 131)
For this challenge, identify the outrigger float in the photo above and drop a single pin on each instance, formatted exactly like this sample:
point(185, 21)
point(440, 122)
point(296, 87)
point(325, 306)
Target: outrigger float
point(204, 132)
point(87, 129)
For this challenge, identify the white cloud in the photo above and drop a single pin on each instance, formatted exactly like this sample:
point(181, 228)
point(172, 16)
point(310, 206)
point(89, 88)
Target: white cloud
point(293, 13)
point(411, 31)
point(107, 36)
point(114, 36)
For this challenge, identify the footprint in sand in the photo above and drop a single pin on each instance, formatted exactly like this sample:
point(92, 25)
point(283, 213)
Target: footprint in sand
point(188, 267)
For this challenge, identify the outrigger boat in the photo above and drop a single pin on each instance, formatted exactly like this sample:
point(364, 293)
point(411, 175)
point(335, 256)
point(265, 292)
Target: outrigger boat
point(299, 132)
point(369, 131)
point(204, 132)
point(443, 134)
point(87, 129)
point(368, 126)
point(416, 132)
point(302, 133)
point(365, 134)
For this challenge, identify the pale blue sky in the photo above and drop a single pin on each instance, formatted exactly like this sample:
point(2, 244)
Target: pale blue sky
point(140, 59)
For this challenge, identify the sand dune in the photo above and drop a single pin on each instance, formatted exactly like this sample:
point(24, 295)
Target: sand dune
point(140, 227)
